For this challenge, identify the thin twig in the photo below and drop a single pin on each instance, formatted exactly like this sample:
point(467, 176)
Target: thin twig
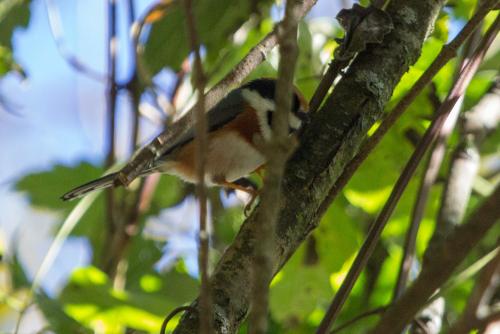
point(429, 178)
point(446, 259)
point(277, 151)
point(173, 314)
point(426, 183)
point(477, 304)
point(448, 52)
point(57, 32)
point(326, 82)
point(201, 142)
point(361, 316)
point(22, 313)
point(133, 84)
point(111, 97)
point(429, 137)
point(470, 67)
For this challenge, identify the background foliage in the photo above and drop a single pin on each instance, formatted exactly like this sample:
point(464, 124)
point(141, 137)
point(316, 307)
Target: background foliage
point(157, 272)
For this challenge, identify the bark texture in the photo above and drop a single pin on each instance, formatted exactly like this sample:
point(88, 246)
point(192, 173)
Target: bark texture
point(328, 143)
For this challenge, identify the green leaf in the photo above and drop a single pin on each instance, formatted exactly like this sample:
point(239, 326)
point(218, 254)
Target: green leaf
point(336, 231)
point(13, 14)
point(7, 63)
point(217, 65)
point(91, 300)
point(309, 64)
point(462, 9)
point(59, 321)
point(216, 21)
point(441, 27)
point(314, 291)
point(168, 192)
point(44, 189)
point(18, 274)
point(478, 86)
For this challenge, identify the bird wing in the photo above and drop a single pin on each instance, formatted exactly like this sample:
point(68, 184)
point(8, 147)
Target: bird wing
point(221, 114)
point(226, 110)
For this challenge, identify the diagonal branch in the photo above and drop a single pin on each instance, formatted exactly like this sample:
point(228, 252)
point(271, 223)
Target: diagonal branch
point(445, 260)
point(109, 264)
point(277, 152)
point(448, 52)
point(334, 134)
point(201, 143)
point(429, 177)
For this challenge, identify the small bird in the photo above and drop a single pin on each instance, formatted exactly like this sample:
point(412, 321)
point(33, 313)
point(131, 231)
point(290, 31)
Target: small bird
point(234, 125)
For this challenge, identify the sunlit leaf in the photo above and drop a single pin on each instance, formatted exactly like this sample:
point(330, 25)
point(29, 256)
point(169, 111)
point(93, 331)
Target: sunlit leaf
point(314, 290)
point(337, 238)
point(6, 61)
point(90, 299)
point(59, 321)
point(216, 21)
point(462, 9)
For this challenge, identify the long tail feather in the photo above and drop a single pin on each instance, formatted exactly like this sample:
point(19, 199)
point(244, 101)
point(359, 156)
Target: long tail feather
point(100, 183)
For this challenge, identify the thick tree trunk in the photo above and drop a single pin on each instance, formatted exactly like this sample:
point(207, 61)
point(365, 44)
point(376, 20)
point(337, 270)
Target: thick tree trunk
point(329, 142)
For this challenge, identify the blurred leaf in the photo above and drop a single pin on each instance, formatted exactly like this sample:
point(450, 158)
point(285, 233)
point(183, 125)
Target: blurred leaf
point(315, 290)
point(462, 9)
point(478, 87)
point(90, 299)
point(492, 60)
point(13, 14)
point(44, 189)
point(441, 27)
point(430, 50)
point(18, 275)
point(216, 21)
point(492, 144)
point(168, 192)
point(176, 286)
point(59, 322)
point(309, 64)
point(337, 233)
point(142, 255)
point(217, 65)
point(7, 63)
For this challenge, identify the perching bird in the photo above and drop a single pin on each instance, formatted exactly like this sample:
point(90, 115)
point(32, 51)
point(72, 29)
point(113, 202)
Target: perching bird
point(234, 124)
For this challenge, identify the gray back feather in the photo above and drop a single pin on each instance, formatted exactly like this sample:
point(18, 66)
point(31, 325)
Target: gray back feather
point(223, 112)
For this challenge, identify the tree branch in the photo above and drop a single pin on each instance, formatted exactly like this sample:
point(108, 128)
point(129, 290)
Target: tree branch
point(109, 263)
point(445, 260)
point(277, 151)
point(201, 143)
point(430, 175)
point(328, 143)
point(477, 307)
point(448, 52)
